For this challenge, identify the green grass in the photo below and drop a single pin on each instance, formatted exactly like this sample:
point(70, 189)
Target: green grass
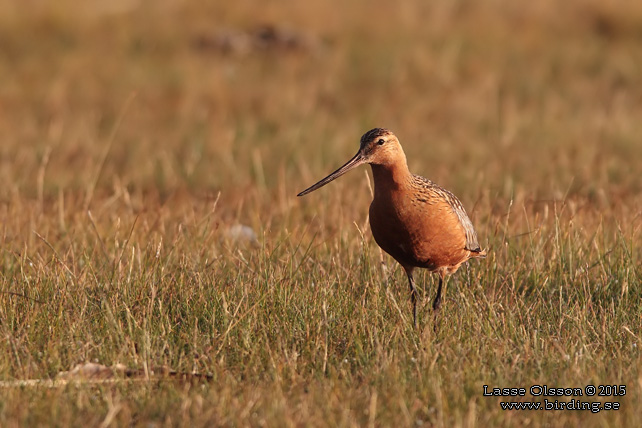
point(127, 153)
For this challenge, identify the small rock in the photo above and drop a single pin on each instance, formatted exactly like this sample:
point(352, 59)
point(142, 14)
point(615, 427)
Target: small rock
point(263, 38)
point(241, 234)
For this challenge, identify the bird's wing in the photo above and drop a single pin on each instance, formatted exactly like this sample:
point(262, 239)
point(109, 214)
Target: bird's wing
point(458, 209)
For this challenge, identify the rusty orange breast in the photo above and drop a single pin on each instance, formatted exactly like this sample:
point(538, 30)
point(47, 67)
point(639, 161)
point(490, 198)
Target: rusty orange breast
point(417, 227)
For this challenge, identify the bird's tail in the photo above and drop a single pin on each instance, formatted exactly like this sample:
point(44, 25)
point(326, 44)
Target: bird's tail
point(478, 253)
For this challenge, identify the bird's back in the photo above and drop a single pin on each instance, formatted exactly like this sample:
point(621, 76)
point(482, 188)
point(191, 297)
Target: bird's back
point(427, 187)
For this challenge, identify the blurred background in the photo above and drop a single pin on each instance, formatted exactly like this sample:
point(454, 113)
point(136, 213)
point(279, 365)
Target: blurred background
point(257, 100)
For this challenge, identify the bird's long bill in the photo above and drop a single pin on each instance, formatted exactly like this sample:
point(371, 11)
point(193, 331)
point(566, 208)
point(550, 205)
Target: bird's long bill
point(357, 160)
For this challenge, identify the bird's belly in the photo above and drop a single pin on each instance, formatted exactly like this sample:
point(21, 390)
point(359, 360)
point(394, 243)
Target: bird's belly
point(431, 239)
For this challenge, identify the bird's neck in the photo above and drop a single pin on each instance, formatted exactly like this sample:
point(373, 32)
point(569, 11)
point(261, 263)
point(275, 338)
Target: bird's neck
point(390, 178)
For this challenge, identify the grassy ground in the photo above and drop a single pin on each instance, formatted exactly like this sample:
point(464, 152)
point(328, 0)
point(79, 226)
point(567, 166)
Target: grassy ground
point(129, 149)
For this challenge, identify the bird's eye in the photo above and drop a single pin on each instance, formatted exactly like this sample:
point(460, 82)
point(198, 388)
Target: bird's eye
point(381, 141)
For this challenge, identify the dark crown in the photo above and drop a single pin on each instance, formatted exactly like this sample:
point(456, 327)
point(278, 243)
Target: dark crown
point(374, 133)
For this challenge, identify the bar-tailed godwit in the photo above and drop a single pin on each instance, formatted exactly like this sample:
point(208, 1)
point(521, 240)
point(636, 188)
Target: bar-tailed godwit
point(413, 219)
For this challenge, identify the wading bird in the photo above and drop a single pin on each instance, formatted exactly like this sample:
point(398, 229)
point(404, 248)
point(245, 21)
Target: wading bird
point(413, 219)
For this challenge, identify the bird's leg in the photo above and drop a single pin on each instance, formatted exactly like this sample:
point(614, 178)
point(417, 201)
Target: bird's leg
point(437, 302)
point(413, 296)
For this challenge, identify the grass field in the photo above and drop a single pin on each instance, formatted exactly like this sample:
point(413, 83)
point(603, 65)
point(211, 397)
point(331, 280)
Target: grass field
point(132, 143)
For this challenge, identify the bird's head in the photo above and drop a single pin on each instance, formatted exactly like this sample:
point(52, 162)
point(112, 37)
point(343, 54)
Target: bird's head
point(379, 146)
